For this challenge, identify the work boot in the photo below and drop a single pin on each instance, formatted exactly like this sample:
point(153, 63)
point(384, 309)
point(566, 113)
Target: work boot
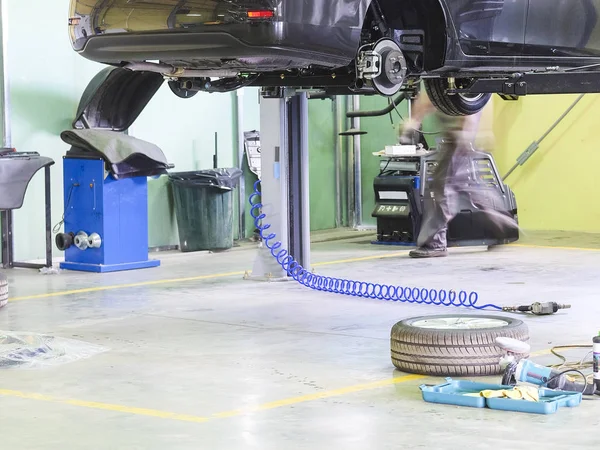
point(424, 252)
point(497, 247)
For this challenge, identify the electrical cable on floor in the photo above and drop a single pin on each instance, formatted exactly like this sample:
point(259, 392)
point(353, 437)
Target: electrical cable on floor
point(564, 372)
point(582, 364)
point(414, 295)
point(576, 366)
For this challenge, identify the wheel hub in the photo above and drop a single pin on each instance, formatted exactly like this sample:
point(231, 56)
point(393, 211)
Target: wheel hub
point(383, 66)
point(460, 323)
point(471, 98)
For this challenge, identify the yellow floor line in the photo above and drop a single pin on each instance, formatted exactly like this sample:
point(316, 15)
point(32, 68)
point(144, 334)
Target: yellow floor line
point(126, 286)
point(550, 247)
point(188, 279)
point(234, 274)
point(323, 395)
point(223, 415)
point(548, 351)
point(103, 406)
point(364, 258)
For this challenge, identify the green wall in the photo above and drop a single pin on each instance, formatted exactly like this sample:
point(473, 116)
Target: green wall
point(380, 132)
point(185, 130)
point(45, 92)
point(322, 164)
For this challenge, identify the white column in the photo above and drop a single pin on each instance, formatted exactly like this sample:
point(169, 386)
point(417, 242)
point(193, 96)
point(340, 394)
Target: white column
point(273, 185)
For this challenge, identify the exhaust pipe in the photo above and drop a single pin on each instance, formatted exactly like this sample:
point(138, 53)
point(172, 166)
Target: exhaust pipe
point(179, 72)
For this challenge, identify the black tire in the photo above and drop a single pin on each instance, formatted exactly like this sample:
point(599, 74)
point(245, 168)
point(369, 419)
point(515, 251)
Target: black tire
point(3, 291)
point(456, 104)
point(443, 352)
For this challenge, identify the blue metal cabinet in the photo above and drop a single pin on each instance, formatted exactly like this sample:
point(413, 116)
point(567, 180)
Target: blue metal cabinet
point(115, 212)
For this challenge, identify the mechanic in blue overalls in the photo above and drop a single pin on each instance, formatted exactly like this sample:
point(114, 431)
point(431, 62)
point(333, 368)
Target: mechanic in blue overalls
point(450, 179)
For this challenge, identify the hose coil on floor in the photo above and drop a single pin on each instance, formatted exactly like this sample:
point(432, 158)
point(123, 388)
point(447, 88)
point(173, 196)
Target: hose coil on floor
point(436, 297)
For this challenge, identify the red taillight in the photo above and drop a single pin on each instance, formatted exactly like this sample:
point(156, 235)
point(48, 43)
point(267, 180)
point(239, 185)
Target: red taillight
point(265, 14)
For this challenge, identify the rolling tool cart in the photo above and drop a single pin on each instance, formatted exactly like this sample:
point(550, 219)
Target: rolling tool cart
point(402, 194)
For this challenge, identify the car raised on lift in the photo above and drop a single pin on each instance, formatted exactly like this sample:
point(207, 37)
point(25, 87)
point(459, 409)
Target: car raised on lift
point(463, 50)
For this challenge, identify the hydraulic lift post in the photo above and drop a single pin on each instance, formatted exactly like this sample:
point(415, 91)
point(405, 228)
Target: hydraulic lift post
point(284, 182)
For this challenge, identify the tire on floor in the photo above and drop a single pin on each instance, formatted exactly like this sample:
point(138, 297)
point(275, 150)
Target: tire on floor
point(421, 345)
point(3, 290)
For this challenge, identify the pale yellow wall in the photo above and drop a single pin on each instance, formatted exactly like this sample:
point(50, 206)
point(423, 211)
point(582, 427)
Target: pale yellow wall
point(558, 188)
point(486, 139)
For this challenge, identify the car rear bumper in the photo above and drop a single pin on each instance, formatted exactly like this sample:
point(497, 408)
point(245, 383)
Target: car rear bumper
point(253, 46)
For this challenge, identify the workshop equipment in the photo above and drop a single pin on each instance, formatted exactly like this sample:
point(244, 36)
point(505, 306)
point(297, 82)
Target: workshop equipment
point(17, 169)
point(538, 309)
point(551, 388)
point(105, 176)
point(523, 370)
point(480, 395)
point(402, 195)
point(106, 202)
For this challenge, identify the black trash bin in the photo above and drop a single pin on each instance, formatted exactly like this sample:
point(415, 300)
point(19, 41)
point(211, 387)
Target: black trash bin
point(204, 208)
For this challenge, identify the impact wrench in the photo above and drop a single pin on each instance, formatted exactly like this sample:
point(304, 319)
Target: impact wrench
point(525, 371)
point(539, 309)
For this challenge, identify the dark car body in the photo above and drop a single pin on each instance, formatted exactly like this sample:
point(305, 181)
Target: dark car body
point(333, 41)
point(219, 34)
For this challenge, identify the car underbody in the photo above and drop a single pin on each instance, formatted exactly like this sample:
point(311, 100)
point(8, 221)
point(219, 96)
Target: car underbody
point(398, 48)
point(380, 68)
point(359, 78)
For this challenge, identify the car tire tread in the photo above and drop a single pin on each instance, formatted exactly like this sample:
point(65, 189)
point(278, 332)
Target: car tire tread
point(441, 352)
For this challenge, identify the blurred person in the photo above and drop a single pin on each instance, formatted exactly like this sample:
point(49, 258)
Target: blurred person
point(451, 178)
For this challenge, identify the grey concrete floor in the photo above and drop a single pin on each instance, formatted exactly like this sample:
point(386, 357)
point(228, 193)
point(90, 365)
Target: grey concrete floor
point(199, 358)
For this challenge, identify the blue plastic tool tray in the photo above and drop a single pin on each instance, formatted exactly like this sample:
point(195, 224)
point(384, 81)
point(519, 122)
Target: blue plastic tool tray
point(453, 393)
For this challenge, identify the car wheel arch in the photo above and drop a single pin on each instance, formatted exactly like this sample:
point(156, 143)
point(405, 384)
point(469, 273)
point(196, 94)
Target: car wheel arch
point(429, 15)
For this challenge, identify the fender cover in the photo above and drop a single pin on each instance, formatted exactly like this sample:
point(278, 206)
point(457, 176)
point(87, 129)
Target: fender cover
point(16, 172)
point(125, 156)
point(115, 98)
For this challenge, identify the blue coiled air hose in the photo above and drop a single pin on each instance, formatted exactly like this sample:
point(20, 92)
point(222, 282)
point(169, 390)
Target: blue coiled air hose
point(436, 297)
